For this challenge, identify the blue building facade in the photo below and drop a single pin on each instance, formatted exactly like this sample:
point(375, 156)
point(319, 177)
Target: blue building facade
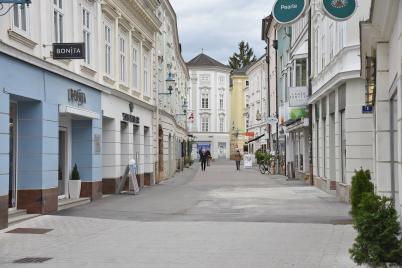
point(48, 123)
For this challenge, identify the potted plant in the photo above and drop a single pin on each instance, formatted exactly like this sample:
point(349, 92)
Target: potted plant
point(74, 184)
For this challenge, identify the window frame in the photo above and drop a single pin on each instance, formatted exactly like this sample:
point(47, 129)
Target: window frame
point(58, 21)
point(135, 56)
point(19, 28)
point(204, 101)
point(147, 72)
point(87, 35)
point(108, 47)
point(122, 58)
point(204, 124)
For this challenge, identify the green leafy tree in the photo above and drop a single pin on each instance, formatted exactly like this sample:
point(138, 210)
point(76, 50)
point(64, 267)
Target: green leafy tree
point(377, 243)
point(361, 183)
point(244, 57)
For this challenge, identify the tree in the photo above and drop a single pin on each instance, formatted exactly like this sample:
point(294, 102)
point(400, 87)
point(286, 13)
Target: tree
point(243, 58)
point(361, 183)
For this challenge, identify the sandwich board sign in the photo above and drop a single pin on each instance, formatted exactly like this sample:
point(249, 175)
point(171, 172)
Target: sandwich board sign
point(288, 11)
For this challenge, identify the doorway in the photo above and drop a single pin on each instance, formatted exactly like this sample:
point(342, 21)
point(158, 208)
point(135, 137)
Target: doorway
point(63, 166)
point(12, 190)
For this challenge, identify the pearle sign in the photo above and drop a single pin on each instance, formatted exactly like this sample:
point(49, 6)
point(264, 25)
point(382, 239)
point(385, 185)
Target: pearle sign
point(339, 9)
point(288, 11)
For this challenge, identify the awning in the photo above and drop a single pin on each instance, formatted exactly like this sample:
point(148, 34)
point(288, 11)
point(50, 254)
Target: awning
point(255, 139)
point(65, 109)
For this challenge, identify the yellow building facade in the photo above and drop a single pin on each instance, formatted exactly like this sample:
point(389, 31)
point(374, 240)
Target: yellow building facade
point(238, 112)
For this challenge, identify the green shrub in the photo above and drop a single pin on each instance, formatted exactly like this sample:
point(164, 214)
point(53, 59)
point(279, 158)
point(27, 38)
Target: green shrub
point(75, 175)
point(261, 156)
point(361, 183)
point(377, 243)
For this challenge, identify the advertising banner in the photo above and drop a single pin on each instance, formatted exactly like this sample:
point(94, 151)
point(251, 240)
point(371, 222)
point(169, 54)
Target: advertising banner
point(298, 96)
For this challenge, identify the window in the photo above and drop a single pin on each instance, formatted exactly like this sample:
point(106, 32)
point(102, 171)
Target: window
point(204, 101)
point(323, 51)
point(204, 124)
point(221, 101)
point(331, 41)
point(135, 66)
point(221, 80)
point(86, 35)
point(222, 124)
point(204, 78)
point(108, 49)
point(21, 17)
point(58, 21)
point(146, 74)
point(122, 49)
point(341, 35)
point(316, 52)
point(301, 72)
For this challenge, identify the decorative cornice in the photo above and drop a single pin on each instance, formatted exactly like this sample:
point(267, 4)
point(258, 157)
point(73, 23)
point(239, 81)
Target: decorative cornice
point(21, 39)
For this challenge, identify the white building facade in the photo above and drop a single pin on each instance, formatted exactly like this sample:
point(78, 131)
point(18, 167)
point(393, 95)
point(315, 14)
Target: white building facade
point(256, 94)
point(381, 58)
point(209, 106)
point(342, 134)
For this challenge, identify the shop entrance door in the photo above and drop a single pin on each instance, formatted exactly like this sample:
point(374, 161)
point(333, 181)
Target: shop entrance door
point(12, 193)
point(62, 186)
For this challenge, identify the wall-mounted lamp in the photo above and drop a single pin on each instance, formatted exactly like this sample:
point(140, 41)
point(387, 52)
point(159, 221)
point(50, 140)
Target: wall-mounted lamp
point(169, 82)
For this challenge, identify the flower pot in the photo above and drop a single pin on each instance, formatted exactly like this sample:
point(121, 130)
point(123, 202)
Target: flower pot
point(74, 188)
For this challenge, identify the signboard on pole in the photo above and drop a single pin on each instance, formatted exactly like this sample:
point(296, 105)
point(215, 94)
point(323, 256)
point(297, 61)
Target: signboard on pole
point(248, 161)
point(288, 11)
point(339, 9)
point(298, 96)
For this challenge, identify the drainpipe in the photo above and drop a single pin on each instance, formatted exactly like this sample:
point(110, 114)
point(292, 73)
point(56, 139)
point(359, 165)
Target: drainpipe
point(269, 91)
point(277, 107)
point(310, 106)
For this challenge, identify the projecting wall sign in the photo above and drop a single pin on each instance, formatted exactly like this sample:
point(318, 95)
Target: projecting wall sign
point(339, 9)
point(288, 11)
point(68, 51)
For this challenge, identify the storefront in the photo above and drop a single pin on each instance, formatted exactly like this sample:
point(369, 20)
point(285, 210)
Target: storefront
point(127, 128)
point(48, 124)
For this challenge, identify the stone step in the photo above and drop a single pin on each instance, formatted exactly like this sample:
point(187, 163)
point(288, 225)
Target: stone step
point(16, 212)
point(70, 203)
point(14, 219)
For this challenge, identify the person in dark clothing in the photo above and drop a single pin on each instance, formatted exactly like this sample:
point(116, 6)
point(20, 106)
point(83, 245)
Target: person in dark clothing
point(208, 157)
point(237, 159)
point(203, 158)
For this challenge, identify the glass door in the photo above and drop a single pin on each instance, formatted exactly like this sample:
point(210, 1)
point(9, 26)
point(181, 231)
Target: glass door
point(12, 194)
point(62, 163)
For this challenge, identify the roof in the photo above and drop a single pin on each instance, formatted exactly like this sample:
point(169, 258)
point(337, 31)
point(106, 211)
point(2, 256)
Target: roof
point(206, 61)
point(243, 70)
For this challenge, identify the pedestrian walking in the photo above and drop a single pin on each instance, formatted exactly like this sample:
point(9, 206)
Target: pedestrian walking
point(237, 159)
point(203, 158)
point(209, 157)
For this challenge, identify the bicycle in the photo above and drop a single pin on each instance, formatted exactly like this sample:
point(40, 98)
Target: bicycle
point(265, 166)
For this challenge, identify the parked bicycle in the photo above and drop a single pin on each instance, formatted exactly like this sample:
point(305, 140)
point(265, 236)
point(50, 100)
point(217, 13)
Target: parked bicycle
point(265, 164)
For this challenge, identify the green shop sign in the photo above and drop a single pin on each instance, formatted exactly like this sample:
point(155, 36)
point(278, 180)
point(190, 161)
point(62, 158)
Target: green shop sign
point(288, 11)
point(339, 9)
point(297, 113)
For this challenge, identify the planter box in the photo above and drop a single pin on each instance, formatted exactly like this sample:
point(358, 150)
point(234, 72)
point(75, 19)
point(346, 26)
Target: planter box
point(74, 189)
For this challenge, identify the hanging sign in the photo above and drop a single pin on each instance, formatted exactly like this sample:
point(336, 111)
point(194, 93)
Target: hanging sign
point(69, 51)
point(298, 96)
point(288, 11)
point(339, 9)
point(272, 120)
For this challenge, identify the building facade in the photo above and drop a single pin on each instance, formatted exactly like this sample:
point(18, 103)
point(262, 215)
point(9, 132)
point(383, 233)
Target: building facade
point(342, 133)
point(238, 117)
point(257, 105)
point(96, 113)
point(381, 60)
point(209, 106)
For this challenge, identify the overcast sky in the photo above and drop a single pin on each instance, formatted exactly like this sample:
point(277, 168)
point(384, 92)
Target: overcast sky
point(218, 26)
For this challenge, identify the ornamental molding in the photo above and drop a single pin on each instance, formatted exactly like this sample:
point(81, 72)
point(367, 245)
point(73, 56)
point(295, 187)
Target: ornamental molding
point(21, 39)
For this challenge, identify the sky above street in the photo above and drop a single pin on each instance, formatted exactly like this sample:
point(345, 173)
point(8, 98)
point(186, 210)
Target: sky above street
point(217, 26)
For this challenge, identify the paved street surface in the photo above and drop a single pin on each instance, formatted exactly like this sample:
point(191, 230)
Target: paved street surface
point(217, 218)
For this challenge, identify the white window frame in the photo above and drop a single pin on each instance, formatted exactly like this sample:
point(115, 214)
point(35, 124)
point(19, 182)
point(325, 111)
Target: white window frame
point(147, 71)
point(204, 124)
point(221, 124)
point(122, 58)
point(87, 35)
point(20, 25)
point(135, 65)
point(108, 47)
point(204, 101)
point(221, 102)
point(58, 21)
point(331, 41)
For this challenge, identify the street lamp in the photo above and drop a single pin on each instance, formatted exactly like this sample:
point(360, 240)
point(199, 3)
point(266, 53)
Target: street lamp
point(169, 83)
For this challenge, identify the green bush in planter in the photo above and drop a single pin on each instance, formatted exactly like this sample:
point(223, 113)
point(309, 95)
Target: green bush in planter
point(377, 243)
point(75, 175)
point(261, 156)
point(361, 183)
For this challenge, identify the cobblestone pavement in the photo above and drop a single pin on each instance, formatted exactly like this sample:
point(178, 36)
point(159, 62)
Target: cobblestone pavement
point(217, 218)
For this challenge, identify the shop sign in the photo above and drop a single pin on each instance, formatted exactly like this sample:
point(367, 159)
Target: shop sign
point(272, 120)
point(97, 141)
point(297, 113)
point(131, 118)
point(68, 51)
point(288, 11)
point(76, 95)
point(298, 96)
point(339, 9)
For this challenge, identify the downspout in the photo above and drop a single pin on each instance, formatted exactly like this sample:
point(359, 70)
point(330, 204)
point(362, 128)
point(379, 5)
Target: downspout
point(310, 107)
point(277, 108)
point(269, 91)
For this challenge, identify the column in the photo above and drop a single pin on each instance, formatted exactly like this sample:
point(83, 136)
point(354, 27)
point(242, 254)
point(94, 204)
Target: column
point(4, 157)
point(110, 155)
